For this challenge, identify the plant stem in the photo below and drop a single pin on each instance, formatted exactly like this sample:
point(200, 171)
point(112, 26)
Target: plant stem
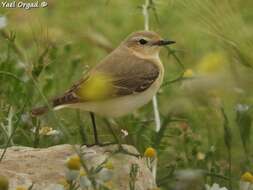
point(227, 139)
point(145, 13)
point(14, 130)
point(145, 8)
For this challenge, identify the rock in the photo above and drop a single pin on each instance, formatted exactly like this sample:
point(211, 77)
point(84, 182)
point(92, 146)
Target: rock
point(45, 167)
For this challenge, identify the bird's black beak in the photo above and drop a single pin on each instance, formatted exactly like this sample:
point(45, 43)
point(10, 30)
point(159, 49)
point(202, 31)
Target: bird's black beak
point(163, 42)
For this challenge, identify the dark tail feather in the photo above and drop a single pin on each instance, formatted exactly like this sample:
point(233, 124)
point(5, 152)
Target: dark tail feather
point(39, 111)
point(67, 98)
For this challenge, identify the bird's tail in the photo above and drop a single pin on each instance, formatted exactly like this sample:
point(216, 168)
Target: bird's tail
point(57, 102)
point(39, 111)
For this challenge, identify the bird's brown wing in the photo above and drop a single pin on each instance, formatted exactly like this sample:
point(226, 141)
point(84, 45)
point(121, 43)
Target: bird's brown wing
point(133, 77)
point(125, 75)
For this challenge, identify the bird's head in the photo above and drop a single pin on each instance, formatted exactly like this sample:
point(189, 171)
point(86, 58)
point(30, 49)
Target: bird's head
point(145, 43)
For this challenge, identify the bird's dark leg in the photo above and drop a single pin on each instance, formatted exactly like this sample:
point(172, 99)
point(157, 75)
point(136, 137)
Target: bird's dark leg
point(95, 133)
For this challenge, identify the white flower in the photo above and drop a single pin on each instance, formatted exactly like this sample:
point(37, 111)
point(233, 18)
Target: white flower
point(188, 174)
point(84, 182)
point(241, 107)
point(189, 179)
point(246, 182)
point(105, 174)
point(215, 186)
point(212, 149)
point(124, 132)
point(53, 132)
point(72, 175)
point(3, 22)
point(244, 185)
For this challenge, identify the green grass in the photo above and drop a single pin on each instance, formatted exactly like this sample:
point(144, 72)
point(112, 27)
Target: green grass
point(43, 51)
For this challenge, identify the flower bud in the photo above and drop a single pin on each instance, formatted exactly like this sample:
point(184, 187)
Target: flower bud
point(74, 163)
point(150, 152)
point(247, 177)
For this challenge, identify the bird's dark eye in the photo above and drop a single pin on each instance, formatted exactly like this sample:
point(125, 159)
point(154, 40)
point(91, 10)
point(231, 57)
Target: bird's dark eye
point(142, 41)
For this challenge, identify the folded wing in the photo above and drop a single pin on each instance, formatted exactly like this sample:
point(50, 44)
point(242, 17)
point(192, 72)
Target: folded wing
point(115, 77)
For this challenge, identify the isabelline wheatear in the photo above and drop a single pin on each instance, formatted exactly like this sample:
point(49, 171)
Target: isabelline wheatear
point(123, 81)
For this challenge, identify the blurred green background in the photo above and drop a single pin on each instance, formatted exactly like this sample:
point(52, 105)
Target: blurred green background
point(206, 112)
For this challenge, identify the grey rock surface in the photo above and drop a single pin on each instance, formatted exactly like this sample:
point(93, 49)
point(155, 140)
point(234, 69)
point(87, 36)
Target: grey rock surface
point(44, 167)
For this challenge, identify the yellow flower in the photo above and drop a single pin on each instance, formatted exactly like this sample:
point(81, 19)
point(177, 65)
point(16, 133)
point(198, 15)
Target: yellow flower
point(247, 177)
point(212, 63)
point(4, 183)
point(150, 152)
point(21, 188)
point(109, 165)
point(188, 73)
point(74, 163)
point(47, 131)
point(201, 156)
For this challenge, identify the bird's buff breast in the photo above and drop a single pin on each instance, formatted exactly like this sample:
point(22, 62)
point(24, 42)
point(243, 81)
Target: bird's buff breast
point(123, 105)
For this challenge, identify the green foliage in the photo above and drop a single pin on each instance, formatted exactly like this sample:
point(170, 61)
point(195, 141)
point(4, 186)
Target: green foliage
point(133, 176)
point(44, 51)
point(244, 123)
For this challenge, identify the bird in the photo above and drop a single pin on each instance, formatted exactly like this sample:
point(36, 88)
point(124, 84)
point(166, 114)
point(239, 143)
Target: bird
point(125, 80)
